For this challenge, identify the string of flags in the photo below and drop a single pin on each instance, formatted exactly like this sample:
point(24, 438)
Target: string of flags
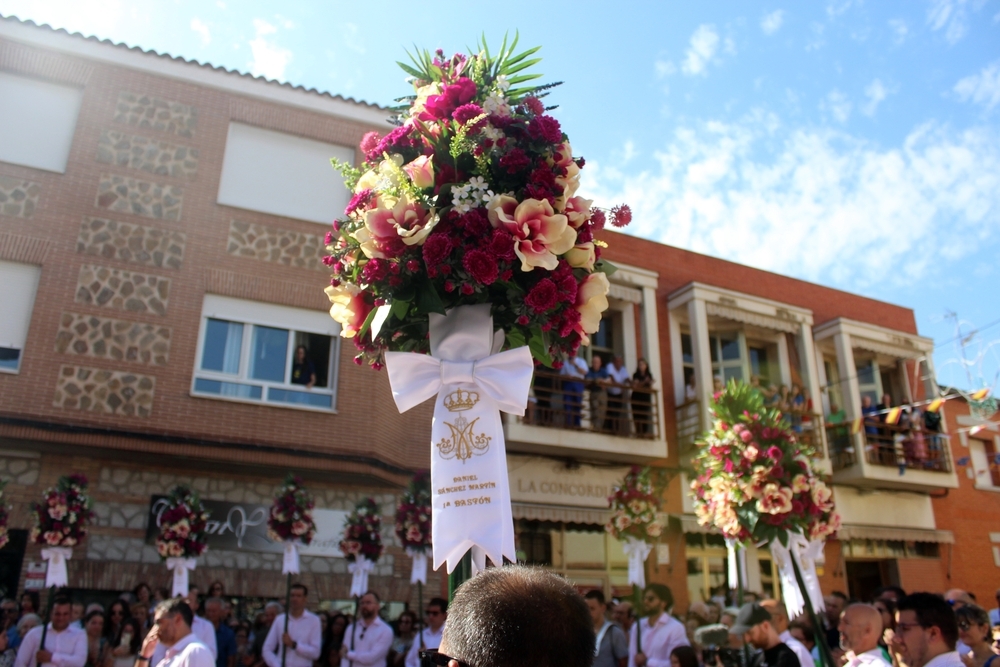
point(892, 415)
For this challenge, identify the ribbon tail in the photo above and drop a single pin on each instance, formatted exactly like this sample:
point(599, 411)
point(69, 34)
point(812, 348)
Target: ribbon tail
point(419, 572)
point(789, 587)
point(180, 567)
point(359, 575)
point(290, 561)
point(637, 552)
point(733, 571)
point(56, 573)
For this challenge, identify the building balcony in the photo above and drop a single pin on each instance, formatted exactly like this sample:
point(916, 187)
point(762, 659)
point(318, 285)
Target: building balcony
point(893, 457)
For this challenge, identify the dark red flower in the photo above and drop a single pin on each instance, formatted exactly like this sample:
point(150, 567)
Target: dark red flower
point(545, 128)
point(542, 296)
point(357, 201)
point(514, 161)
point(597, 218)
point(476, 225)
point(482, 266)
point(436, 249)
point(502, 244)
point(467, 112)
point(534, 105)
point(621, 215)
point(440, 107)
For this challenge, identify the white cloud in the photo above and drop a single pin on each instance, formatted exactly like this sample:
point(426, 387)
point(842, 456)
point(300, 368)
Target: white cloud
point(900, 30)
point(202, 29)
point(664, 68)
point(982, 88)
point(269, 59)
point(703, 47)
point(771, 23)
point(950, 16)
point(817, 204)
point(876, 92)
point(838, 105)
point(353, 39)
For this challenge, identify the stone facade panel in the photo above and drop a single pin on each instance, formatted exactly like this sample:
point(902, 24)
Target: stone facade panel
point(247, 239)
point(127, 242)
point(107, 338)
point(138, 152)
point(105, 392)
point(18, 197)
point(122, 290)
point(20, 470)
point(130, 195)
point(157, 114)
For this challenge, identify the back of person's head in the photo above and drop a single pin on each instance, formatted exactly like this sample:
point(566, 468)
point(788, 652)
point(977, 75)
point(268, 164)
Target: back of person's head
point(932, 611)
point(894, 592)
point(685, 655)
point(176, 606)
point(440, 603)
point(519, 616)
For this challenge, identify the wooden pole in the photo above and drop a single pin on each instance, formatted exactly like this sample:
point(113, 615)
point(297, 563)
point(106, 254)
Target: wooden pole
point(420, 613)
point(824, 648)
point(637, 608)
point(354, 626)
point(288, 612)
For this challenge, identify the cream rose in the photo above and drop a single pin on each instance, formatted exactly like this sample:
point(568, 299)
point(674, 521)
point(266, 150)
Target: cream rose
point(540, 234)
point(582, 256)
point(350, 308)
point(392, 219)
point(591, 301)
point(421, 171)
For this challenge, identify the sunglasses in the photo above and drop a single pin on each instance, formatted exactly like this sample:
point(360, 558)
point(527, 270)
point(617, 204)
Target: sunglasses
point(434, 658)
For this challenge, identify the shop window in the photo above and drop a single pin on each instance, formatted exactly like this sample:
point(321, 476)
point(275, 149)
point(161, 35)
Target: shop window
point(17, 300)
point(37, 122)
point(706, 566)
point(862, 548)
point(264, 353)
point(534, 543)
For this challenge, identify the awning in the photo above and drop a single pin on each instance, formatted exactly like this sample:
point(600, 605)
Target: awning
point(559, 513)
point(756, 319)
point(888, 349)
point(630, 294)
point(689, 524)
point(895, 534)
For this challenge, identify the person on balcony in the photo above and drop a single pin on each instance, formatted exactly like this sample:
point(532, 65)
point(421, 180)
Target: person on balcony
point(870, 414)
point(574, 371)
point(690, 393)
point(597, 383)
point(617, 421)
point(642, 401)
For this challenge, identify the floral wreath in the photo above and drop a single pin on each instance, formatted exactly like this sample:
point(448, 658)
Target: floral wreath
point(413, 515)
point(634, 505)
point(182, 525)
point(291, 516)
point(362, 532)
point(61, 518)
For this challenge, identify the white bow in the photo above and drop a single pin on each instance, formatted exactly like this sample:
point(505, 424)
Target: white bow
point(419, 572)
point(55, 573)
point(290, 561)
point(637, 552)
point(180, 567)
point(359, 570)
point(804, 554)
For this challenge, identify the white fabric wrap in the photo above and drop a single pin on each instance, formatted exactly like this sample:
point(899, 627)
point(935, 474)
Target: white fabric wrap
point(55, 573)
point(637, 552)
point(359, 570)
point(804, 553)
point(419, 573)
point(290, 561)
point(180, 568)
point(470, 494)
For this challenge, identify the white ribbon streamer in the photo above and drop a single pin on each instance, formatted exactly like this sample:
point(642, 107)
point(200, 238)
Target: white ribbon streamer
point(808, 553)
point(733, 574)
point(180, 567)
point(55, 573)
point(359, 570)
point(637, 552)
point(469, 487)
point(419, 573)
point(805, 554)
point(290, 561)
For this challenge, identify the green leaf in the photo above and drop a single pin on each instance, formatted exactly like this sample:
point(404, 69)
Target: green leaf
point(523, 66)
point(399, 308)
point(368, 323)
point(515, 338)
point(538, 346)
point(428, 300)
point(605, 267)
point(411, 71)
point(524, 77)
point(521, 56)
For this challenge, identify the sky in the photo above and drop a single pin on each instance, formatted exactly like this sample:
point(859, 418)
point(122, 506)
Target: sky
point(849, 143)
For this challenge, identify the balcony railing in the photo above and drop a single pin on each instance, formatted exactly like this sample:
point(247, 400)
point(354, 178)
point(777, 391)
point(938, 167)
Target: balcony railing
point(905, 447)
point(807, 429)
point(841, 444)
point(563, 403)
point(689, 427)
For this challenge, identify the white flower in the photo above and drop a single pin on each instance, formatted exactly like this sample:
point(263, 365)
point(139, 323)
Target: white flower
point(502, 83)
point(496, 104)
point(471, 195)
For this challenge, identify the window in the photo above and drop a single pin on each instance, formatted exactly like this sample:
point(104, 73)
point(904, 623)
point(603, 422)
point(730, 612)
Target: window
point(985, 462)
point(727, 356)
point(17, 299)
point(870, 381)
point(265, 353)
point(37, 121)
point(282, 174)
point(707, 568)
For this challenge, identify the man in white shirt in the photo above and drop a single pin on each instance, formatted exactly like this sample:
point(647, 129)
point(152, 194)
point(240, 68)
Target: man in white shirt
point(617, 413)
point(64, 646)
point(660, 632)
point(430, 636)
point(860, 629)
point(779, 619)
point(304, 638)
point(926, 632)
point(173, 633)
point(202, 629)
point(366, 641)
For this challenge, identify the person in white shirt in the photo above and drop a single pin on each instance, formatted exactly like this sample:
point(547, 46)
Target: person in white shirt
point(202, 629)
point(64, 646)
point(172, 631)
point(779, 619)
point(429, 637)
point(926, 632)
point(573, 372)
point(660, 632)
point(304, 638)
point(617, 421)
point(366, 641)
point(860, 629)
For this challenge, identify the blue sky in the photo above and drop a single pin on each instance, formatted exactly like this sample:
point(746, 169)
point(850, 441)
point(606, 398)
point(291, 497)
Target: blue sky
point(855, 144)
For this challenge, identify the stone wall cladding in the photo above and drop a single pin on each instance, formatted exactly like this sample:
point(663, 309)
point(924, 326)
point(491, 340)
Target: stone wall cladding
point(20, 470)
point(271, 244)
point(145, 154)
point(107, 338)
point(103, 391)
point(130, 195)
point(123, 290)
point(131, 243)
point(18, 197)
point(156, 114)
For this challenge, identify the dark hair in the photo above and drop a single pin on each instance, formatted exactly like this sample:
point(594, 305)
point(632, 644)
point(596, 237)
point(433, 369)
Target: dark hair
point(518, 616)
point(932, 611)
point(890, 606)
point(974, 614)
point(685, 656)
point(373, 593)
point(900, 593)
point(301, 587)
point(409, 614)
point(35, 601)
point(663, 592)
point(595, 594)
point(137, 635)
point(216, 583)
point(61, 600)
point(441, 603)
point(807, 630)
point(176, 606)
point(331, 642)
point(142, 584)
point(838, 594)
point(96, 612)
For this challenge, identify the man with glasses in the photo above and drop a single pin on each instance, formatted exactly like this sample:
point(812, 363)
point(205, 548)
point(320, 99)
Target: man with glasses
point(366, 641)
point(660, 632)
point(302, 642)
point(430, 636)
point(172, 631)
point(64, 646)
point(926, 632)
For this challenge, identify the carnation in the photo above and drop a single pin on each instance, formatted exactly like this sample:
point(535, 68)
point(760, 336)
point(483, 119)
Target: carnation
point(545, 128)
point(542, 296)
point(436, 249)
point(481, 266)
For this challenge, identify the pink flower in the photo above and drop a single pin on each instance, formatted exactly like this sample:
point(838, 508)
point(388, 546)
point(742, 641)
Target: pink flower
point(440, 107)
point(540, 234)
point(175, 549)
point(369, 142)
point(822, 496)
point(300, 528)
point(774, 452)
point(467, 112)
point(591, 301)
point(436, 249)
point(746, 436)
point(482, 266)
point(621, 215)
point(578, 211)
point(545, 128)
point(351, 306)
point(421, 171)
point(394, 221)
point(775, 499)
point(800, 484)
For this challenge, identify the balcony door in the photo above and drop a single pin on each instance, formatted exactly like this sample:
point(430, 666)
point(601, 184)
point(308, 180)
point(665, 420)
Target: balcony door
point(728, 356)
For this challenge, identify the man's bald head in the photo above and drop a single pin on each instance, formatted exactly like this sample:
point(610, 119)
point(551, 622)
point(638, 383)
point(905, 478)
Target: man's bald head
point(860, 628)
point(958, 598)
point(779, 615)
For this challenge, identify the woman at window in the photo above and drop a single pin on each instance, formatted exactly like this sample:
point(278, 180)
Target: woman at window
point(975, 632)
point(303, 370)
point(642, 401)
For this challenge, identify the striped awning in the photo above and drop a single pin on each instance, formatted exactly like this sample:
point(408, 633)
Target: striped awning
point(756, 319)
point(559, 513)
point(895, 534)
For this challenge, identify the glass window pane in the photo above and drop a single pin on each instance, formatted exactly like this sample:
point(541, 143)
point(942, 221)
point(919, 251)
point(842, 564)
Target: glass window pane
point(231, 389)
point(300, 398)
point(223, 341)
point(866, 375)
point(731, 349)
point(713, 346)
point(316, 353)
point(584, 550)
point(270, 347)
point(686, 350)
point(717, 574)
point(732, 373)
point(696, 579)
point(9, 358)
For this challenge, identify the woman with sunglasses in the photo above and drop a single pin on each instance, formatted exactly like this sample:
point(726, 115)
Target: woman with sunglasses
point(115, 618)
point(975, 632)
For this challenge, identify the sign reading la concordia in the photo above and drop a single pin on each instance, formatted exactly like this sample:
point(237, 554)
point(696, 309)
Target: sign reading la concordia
point(548, 482)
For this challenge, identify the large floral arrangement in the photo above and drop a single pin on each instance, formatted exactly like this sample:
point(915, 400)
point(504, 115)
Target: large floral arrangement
point(634, 505)
point(362, 532)
point(182, 525)
point(413, 515)
point(4, 536)
point(61, 518)
point(291, 513)
point(754, 478)
point(471, 199)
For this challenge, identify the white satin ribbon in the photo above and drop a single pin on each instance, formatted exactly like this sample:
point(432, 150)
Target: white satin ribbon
point(55, 573)
point(637, 552)
point(809, 553)
point(469, 487)
point(419, 572)
point(805, 554)
point(180, 567)
point(359, 570)
point(290, 561)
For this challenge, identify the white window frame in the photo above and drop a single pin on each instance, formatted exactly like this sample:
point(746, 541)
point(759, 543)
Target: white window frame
point(877, 385)
point(20, 284)
point(743, 362)
point(253, 313)
point(40, 118)
point(983, 480)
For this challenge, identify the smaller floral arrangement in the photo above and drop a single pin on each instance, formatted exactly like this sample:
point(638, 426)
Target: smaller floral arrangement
point(4, 536)
point(61, 518)
point(413, 515)
point(362, 532)
point(634, 505)
point(754, 479)
point(182, 525)
point(291, 514)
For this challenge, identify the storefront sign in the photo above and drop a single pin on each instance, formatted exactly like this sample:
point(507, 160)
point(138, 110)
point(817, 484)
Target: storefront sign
point(34, 579)
point(551, 482)
point(243, 527)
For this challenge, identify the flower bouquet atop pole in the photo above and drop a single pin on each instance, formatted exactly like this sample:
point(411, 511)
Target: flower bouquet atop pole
point(182, 537)
point(755, 483)
point(465, 239)
point(413, 528)
point(634, 505)
point(362, 543)
point(4, 535)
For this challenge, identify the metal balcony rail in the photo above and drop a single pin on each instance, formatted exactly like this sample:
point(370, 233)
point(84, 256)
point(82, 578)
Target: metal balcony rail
point(905, 447)
point(689, 427)
point(562, 402)
point(841, 444)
